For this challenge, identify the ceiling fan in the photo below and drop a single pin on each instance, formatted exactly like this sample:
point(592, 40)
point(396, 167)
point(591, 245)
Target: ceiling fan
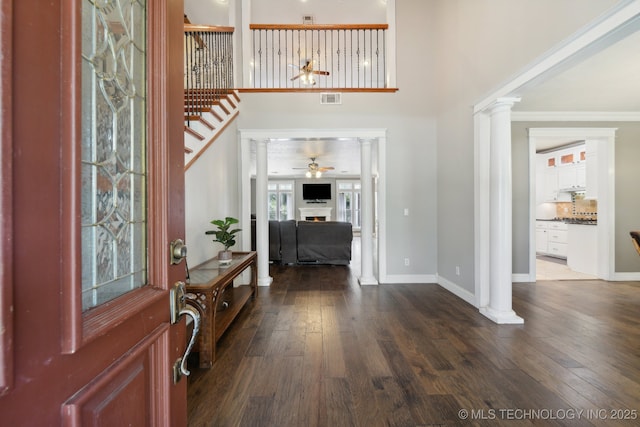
point(315, 170)
point(307, 72)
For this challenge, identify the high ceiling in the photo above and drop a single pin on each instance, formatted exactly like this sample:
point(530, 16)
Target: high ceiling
point(607, 81)
point(342, 154)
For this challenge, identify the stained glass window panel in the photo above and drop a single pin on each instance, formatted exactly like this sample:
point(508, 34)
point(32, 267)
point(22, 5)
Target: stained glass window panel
point(113, 207)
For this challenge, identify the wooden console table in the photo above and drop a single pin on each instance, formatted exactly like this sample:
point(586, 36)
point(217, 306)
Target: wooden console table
point(209, 284)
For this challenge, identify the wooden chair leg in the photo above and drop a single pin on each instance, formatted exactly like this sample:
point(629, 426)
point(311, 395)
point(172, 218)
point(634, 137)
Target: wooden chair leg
point(635, 238)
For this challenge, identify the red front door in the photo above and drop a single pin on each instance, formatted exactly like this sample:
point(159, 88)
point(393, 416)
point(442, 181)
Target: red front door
point(86, 337)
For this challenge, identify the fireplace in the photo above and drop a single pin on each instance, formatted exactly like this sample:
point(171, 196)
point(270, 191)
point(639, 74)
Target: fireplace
point(315, 214)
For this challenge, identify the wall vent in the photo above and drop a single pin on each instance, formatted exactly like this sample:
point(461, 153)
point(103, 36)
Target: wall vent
point(307, 19)
point(330, 98)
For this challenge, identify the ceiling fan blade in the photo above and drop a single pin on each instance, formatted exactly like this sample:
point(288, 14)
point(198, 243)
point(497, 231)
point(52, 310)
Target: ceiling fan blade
point(322, 73)
point(297, 77)
point(327, 168)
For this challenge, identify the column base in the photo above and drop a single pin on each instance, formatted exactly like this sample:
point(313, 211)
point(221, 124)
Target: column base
point(367, 281)
point(502, 317)
point(265, 281)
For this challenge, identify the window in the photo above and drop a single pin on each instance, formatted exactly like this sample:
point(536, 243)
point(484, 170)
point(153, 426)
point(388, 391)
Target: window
point(113, 150)
point(349, 202)
point(280, 199)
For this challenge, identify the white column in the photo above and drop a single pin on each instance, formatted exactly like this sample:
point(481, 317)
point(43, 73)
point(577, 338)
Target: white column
point(500, 287)
point(366, 239)
point(262, 214)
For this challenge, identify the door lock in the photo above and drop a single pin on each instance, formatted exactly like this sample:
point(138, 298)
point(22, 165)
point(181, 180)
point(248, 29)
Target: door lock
point(178, 251)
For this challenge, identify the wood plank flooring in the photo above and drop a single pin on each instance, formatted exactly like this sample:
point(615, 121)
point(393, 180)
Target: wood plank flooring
point(316, 349)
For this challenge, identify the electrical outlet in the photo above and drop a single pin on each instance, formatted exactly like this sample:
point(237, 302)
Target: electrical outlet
point(457, 270)
point(406, 262)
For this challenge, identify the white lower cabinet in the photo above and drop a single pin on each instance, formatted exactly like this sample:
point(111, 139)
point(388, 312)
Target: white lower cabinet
point(552, 238)
point(541, 241)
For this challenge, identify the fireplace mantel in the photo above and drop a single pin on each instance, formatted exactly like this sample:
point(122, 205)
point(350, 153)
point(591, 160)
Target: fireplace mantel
point(315, 212)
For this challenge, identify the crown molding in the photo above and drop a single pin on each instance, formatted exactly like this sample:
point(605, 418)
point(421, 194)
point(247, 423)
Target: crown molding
point(575, 116)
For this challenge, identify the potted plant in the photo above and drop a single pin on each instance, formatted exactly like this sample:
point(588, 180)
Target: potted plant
point(224, 235)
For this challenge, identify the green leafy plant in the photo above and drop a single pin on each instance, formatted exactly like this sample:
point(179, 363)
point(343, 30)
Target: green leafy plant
point(223, 234)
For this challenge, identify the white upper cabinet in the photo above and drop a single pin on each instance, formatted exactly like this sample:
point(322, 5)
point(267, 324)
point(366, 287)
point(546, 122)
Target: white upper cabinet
point(572, 168)
point(591, 174)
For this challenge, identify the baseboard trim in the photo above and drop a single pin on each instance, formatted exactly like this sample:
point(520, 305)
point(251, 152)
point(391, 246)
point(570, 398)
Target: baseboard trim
point(457, 290)
point(408, 278)
point(626, 277)
point(522, 278)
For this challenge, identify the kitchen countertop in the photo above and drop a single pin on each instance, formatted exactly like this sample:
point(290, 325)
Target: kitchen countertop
point(577, 221)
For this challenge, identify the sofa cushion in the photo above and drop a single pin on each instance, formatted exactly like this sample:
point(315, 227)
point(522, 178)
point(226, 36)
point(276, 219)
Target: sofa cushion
point(324, 242)
point(288, 242)
point(274, 241)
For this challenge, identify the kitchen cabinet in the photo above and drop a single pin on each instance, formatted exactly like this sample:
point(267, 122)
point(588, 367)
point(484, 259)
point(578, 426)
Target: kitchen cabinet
point(572, 177)
point(541, 238)
point(550, 160)
point(591, 173)
point(550, 187)
point(572, 168)
point(556, 236)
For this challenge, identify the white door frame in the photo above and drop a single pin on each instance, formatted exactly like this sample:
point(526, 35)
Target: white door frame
point(605, 138)
point(247, 137)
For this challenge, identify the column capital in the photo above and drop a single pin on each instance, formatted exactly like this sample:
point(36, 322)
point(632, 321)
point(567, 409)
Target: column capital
point(502, 104)
point(366, 141)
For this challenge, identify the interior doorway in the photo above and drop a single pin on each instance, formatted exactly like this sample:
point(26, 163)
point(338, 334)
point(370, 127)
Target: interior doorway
point(373, 253)
point(560, 210)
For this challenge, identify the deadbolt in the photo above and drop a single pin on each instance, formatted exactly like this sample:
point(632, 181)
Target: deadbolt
point(178, 251)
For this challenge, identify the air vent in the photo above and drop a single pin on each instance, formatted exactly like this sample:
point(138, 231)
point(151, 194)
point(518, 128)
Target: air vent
point(307, 19)
point(330, 98)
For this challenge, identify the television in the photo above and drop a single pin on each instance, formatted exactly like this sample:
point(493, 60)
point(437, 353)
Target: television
point(316, 191)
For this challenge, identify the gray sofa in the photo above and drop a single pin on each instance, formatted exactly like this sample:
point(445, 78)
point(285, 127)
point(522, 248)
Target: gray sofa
point(310, 242)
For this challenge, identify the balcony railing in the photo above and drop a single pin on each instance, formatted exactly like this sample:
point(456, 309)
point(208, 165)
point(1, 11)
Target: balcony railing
point(208, 74)
point(294, 57)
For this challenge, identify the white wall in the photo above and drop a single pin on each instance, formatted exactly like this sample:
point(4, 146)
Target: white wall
point(212, 192)
point(410, 148)
point(480, 44)
point(208, 12)
point(323, 11)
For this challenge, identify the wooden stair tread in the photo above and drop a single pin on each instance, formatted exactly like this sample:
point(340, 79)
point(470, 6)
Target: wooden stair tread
point(223, 107)
point(230, 101)
point(192, 132)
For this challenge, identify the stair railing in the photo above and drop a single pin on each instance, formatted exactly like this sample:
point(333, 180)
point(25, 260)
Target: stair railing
point(290, 57)
point(208, 73)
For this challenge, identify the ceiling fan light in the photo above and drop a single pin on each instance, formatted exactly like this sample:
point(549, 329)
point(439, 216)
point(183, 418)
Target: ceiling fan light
point(308, 174)
point(318, 174)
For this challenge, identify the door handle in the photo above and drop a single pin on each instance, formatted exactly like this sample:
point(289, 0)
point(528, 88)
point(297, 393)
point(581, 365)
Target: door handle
point(179, 305)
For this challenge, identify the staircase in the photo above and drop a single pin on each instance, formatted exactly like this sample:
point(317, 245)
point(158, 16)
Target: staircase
point(203, 123)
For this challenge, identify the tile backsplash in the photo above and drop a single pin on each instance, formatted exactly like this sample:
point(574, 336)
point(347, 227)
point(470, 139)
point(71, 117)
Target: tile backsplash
point(579, 207)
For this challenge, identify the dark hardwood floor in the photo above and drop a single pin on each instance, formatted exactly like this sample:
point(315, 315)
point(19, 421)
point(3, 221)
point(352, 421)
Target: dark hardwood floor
point(316, 349)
